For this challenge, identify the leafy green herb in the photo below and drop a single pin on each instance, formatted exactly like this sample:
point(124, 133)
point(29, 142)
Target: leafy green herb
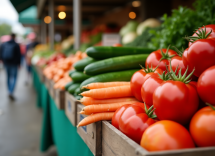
point(182, 23)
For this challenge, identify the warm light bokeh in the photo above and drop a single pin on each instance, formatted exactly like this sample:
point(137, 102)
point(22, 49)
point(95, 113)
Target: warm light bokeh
point(62, 15)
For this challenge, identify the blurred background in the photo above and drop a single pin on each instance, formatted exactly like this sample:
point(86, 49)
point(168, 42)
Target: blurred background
point(68, 26)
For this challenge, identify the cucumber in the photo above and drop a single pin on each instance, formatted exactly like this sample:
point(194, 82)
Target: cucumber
point(109, 77)
point(104, 52)
point(68, 85)
point(79, 76)
point(116, 64)
point(78, 97)
point(80, 65)
point(77, 91)
point(73, 87)
point(71, 72)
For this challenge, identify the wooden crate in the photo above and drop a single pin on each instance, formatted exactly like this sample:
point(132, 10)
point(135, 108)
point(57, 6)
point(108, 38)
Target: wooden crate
point(91, 134)
point(51, 89)
point(71, 108)
point(115, 143)
point(47, 83)
point(40, 73)
point(59, 98)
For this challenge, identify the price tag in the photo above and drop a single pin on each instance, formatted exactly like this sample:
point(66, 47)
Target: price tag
point(69, 106)
point(110, 39)
point(83, 127)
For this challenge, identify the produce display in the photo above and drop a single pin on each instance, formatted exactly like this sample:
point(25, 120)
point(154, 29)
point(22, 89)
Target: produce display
point(58, 70)
point(156, 87)
point(171, 91)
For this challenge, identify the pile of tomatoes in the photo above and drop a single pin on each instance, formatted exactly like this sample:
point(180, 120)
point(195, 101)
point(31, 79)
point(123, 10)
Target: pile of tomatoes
point(176, 91)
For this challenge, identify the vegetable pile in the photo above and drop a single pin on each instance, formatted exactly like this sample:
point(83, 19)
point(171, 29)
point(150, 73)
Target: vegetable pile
point(176, 86)
point(167, 99)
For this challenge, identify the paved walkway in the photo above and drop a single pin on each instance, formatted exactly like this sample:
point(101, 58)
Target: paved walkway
point(20, 121)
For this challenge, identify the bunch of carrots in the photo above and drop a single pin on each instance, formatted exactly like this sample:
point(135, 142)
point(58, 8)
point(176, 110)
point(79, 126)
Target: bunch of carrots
point(103, 99)
point(59, 71)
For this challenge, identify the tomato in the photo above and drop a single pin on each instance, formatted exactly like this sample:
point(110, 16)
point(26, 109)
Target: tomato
point(149, 87)
point(208, 29)
point(134, 120)
point(176, 101)
point(117, 45)
point(119, 111)
point(202, 127)
point(156, 58)
point(138, 78)
point(206, 86)
point(200, 55)
point(166, 135)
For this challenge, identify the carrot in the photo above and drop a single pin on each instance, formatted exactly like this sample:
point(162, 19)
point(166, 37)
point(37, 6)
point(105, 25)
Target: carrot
point(107, 93)
point(112, 107)
point(83, 112)
point(95, 117)
point(91, 101)
point(105, 85)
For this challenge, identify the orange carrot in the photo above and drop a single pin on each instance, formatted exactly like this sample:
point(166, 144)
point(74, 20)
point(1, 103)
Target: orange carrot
point(112, 107)
point(96, 117)
point(105, 85)
point(91, 101)
point(107, 93)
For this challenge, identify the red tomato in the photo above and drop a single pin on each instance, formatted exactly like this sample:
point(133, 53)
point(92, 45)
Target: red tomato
point(200, 55)
point(208, 29)
point(206, 86)
point(166, 135)
point(118, 112)
point(117, 45)
point(149, 87)
point(137, 81)
point(202, 127)
point(134, 120)
point(177, 63)
point(176, 101)
point(157, 58)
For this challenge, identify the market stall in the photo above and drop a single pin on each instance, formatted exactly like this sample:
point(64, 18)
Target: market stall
point(137, 93)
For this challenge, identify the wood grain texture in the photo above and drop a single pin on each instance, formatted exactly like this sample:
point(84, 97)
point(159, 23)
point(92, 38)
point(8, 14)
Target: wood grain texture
point(71, 108)
point(115, 143)
point(51, 89)
point(91, 134)
point(60, 99)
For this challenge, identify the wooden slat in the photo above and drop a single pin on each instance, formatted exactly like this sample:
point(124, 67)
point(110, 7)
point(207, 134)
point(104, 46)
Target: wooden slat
point(115, 143)
point(60, 98)
point(91, 134)
point(71, 108)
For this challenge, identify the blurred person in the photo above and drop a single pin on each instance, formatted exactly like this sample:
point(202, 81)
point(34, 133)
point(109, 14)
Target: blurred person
point(10, 55)
point(29, 52)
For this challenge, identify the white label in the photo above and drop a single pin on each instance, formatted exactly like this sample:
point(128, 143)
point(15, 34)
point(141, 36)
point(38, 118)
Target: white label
point(110, 39)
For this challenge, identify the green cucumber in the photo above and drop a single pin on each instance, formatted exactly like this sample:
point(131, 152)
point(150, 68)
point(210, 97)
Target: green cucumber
point(73, 87)
point(68, 85)
point(78, 97)
point(104, 52)
point(79, 76)
point(78, 91)
point(109, 77)
point(116, 64)
point(71, 72)
point(80, 65)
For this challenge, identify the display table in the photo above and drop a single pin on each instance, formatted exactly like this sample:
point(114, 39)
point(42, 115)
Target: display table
point(56, 128)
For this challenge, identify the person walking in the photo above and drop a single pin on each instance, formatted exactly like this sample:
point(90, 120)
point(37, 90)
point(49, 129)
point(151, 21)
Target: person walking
point(10, 55)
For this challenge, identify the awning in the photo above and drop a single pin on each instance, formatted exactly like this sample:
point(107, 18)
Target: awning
point(21, 5)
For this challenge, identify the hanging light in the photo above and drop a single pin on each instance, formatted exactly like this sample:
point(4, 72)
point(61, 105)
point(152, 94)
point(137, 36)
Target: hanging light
point(136, 3)
point(61, 8)
point(47, 19)
point(62, 15)
point(132, 15)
